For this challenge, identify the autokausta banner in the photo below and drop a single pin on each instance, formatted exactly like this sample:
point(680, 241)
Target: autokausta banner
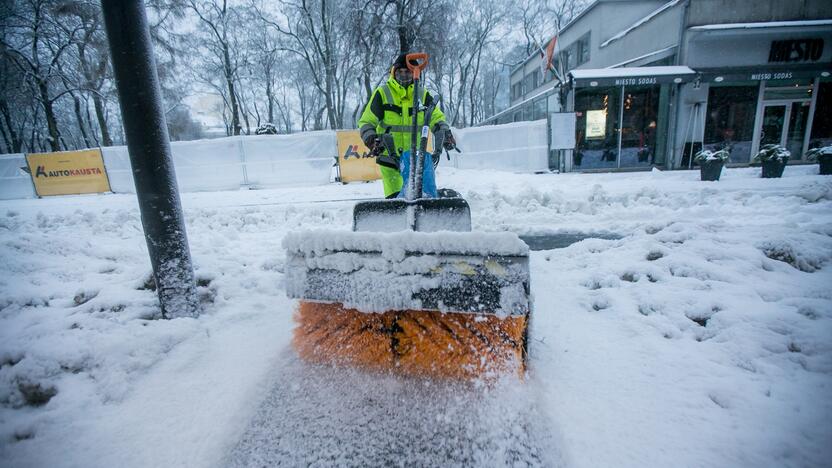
point(354, 159)
point(68, 172)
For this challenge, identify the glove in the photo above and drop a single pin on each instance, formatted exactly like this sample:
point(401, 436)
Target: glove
point(373, 143)
point(450, 141)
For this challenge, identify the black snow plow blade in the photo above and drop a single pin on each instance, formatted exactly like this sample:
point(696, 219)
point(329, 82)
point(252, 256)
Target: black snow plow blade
point(424, 215)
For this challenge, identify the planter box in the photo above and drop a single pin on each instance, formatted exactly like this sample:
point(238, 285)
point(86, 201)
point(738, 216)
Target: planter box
point(710, 170)
point(825, 164)
point(773, 169)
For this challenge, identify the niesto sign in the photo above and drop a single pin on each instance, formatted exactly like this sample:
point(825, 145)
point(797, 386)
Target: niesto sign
point(68, 172)
point(796, 50)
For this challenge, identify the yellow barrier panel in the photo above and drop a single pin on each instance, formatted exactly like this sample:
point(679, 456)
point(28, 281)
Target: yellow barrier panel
point(354, 159)
point(68, 172)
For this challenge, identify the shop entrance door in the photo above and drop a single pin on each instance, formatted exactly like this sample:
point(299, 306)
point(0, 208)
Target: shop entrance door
point(784, 123)
point(774, 124)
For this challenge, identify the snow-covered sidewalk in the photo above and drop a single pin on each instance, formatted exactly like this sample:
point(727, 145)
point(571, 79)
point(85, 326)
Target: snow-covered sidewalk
point(701, 337)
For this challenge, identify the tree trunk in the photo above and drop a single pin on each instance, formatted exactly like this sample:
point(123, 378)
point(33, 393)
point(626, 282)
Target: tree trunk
point(88, 121)
point(401, 28)
point(270, 97)
point(76, 101)
point(229, 79)
point(368, 87)
point(51, 122)
point(473, 87)
point(102, 122)
point(7, 143)
point(319, 119)
point(16, 142)
point(245, 117)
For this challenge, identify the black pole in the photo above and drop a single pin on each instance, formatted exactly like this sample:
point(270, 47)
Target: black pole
point(146, 131)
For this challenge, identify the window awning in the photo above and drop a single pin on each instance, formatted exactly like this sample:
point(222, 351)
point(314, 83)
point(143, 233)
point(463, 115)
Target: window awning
point(629, 76)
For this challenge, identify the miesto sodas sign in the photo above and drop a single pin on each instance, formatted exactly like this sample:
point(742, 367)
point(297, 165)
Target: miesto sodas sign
point(68, 172)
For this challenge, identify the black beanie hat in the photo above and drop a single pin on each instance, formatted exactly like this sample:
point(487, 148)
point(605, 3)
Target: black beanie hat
point(400, 62)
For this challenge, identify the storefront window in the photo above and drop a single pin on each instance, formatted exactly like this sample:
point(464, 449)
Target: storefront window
point(639, 126)
point(730, 120)
point(596, 131)
point(822, 123)
point(798, 118)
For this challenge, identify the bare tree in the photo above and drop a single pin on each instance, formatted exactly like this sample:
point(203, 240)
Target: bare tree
point(92, 56)
point(368, 41)
point(14, 101)
point(312, 30)
point(35, 43)
point(219, 22)
point(542, 19)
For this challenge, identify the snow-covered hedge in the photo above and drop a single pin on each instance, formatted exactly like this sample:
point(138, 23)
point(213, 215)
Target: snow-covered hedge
point(772, 153)
point(711, 155)
point(816, 153)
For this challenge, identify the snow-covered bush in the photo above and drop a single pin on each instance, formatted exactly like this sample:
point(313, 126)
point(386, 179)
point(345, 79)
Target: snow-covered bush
point(772, 152)
point(266, 129)
point(816, 153)
point(712, 155)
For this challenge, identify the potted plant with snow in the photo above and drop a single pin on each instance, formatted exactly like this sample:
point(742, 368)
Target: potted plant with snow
point(824, 158)
point(710, 163)
point(774, 159)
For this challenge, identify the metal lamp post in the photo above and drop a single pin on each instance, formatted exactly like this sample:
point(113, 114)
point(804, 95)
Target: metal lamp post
point(146, 131)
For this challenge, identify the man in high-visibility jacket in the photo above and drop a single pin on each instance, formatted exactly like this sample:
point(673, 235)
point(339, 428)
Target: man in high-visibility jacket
point(390, 107)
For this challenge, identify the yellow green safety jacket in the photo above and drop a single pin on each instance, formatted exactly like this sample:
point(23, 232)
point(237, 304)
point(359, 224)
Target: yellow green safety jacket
point(390, 107)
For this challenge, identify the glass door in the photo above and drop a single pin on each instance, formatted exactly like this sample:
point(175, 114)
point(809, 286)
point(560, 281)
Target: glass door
point(774, 124)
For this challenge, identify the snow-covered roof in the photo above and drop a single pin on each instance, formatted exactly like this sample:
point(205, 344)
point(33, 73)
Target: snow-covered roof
point(665, 51)
point(583, 74)
point(512, 108)
point(640, 22)
point(770, 24)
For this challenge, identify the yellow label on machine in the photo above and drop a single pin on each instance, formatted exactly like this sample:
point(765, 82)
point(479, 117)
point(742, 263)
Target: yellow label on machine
point(354, 159)
point(68, 172)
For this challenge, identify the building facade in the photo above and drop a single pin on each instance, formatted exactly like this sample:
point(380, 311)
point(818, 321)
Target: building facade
point(652, 82)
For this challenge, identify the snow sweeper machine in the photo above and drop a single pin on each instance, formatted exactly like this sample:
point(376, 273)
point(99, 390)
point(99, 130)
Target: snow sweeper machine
point(411, 289)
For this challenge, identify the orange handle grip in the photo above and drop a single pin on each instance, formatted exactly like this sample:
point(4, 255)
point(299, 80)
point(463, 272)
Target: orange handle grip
point(421, 59)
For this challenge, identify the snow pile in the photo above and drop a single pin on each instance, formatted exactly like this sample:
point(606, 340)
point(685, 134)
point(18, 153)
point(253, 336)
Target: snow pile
point(395, 245)
point(700, 337)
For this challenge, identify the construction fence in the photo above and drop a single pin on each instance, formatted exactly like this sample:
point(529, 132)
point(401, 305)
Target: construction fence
point(231, 163)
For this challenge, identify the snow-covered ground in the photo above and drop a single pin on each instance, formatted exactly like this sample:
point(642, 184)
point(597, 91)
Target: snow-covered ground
point(701, 337)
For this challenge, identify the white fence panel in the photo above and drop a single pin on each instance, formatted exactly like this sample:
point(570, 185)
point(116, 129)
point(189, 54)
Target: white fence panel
point(14, 181)
point(286, 160)
point(514, 147)
point(292, 160)
point(117, 163)
point(205, 165)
